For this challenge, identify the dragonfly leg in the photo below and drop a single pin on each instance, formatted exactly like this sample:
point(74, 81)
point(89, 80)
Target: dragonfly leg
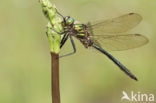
point(59, 13)
point(61, 33)
point(63, 20)
point(64, 39)
point(73, 45)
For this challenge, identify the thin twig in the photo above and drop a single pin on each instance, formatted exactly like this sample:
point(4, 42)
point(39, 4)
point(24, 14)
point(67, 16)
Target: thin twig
point(55, 78)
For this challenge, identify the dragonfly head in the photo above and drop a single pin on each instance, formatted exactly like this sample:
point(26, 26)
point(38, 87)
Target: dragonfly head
point(68, 21)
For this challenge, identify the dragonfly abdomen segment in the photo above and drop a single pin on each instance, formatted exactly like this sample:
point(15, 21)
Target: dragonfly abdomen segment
point(121, 66)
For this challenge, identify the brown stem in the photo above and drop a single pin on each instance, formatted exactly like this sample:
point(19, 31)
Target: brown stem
point(55, 78)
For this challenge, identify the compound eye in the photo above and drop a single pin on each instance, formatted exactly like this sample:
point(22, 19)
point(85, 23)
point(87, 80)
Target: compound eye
point(69, 21)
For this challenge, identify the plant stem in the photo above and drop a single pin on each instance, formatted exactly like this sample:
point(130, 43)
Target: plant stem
point(54, 38)
point(55, 78)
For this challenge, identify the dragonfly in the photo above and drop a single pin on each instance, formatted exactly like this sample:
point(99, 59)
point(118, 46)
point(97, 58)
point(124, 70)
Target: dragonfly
point(104, 35)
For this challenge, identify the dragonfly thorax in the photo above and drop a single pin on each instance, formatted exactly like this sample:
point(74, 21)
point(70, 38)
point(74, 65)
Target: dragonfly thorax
point(83, 34)
point(77, 30)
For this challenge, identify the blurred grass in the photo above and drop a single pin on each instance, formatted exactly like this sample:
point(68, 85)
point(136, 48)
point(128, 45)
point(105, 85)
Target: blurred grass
point(86, 77)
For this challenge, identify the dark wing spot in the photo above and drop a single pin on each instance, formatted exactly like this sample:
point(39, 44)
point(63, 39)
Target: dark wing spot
point(137, 34)
point(131, 13)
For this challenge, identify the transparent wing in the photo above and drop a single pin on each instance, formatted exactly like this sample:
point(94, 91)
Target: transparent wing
point(120, 41)
point(115, 25)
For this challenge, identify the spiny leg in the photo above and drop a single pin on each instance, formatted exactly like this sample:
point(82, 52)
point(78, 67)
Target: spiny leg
point(73, 45)
point(64, 39)
point(61, 33)
point(59, 13)
point(63, 21)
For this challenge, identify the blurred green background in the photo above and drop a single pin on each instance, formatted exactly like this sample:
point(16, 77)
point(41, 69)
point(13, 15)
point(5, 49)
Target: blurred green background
point(86, 77)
